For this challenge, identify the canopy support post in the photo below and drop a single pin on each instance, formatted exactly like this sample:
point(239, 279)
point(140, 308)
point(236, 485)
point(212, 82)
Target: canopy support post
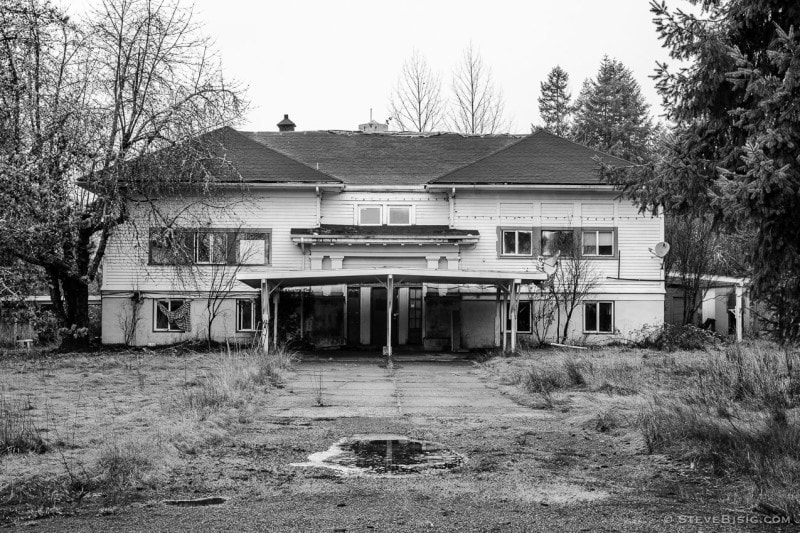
point(389, 311)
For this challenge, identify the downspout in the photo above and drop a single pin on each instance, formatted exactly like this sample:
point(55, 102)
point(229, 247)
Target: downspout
point(451, 197)
point(319, 207)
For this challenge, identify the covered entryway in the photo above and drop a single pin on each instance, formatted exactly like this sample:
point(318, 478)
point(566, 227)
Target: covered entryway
point(384, 282)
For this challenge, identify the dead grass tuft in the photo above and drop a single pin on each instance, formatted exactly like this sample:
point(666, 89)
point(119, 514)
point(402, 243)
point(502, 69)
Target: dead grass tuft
point(237, 375)
point(18, 431)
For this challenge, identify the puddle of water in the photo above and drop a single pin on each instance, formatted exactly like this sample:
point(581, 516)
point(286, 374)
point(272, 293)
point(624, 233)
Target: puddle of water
point(385, 455)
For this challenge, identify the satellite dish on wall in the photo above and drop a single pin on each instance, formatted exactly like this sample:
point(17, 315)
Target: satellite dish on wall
point(549, 264)
point(661, 249)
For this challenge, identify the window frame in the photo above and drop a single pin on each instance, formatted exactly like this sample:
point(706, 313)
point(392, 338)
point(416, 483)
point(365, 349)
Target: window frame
point(248, 232)
point(559, 229)
point(385, 210)
point(388, 211)
point(169, 301)
point(529, 304)
point(215, 234)
point(517, 231)
point(598, 303)
point(192, 236)
point(597, 231)
point(255, 310)
point(359, 207)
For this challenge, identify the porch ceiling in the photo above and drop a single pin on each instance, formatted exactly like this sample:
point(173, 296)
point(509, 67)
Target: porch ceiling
point(308, 278)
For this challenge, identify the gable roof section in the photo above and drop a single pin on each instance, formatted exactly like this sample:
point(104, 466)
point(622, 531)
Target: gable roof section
point(538, 159)
point(257, 163)
point(382, 159)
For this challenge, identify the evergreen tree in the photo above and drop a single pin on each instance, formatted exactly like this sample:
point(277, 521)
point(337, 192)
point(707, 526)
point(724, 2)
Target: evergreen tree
point(554, 105)
point(611, 114)
point(734, 103)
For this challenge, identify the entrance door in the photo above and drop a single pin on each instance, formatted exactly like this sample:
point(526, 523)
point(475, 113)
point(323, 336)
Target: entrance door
point(415, 315)
point(353, 316)
point(378, 317)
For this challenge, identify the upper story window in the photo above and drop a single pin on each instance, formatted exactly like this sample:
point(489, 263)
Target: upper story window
point(389, 214)
point(370, 215)
point(399, 215)
point(557, 240)
point(171, 247)
point(598, 242)
point(209, 247)
point(517, 242)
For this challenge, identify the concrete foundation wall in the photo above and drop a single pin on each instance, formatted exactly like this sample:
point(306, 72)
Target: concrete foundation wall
point(123, 322)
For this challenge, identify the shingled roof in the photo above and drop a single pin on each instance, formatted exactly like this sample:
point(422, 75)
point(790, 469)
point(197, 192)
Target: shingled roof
point(383, 159)
point(540, 158)
point(257, 163)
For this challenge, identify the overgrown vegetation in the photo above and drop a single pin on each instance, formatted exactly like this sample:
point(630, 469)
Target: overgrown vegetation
point(108, 428)
point(672, 337)
point(730, 411)
point(738, 415)
point(237, 375)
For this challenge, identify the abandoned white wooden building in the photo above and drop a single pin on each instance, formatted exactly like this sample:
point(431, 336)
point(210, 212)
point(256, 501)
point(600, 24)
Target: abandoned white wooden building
point(432, 241)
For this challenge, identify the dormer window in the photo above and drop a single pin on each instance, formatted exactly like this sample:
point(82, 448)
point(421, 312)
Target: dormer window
point(370, 215)
point(385, 214)
point(399, 215)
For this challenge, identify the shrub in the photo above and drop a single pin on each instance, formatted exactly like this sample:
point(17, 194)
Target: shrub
point(671, 337)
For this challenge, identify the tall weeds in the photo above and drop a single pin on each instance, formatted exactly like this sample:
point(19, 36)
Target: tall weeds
point(239, 372)
point(739, 414)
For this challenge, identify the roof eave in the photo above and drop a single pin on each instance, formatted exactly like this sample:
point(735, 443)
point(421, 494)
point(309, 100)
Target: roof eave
point(521, 186)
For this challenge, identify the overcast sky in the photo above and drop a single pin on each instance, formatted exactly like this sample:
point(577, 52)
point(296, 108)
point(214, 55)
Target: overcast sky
point(326, 63)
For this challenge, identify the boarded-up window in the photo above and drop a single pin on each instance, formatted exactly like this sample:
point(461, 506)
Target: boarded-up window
point(252, 249)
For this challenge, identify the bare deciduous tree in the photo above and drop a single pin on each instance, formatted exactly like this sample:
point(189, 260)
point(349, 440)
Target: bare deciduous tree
point(478, 106)
point(111, 103)
point(416, 101)
point(573, 280)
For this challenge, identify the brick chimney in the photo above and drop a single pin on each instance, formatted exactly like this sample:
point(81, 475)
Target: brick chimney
point(286, 124)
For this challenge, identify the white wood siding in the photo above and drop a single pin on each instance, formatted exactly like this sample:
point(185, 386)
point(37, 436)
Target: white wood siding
point(636, 234)
point(125, 265)
point(429, 209)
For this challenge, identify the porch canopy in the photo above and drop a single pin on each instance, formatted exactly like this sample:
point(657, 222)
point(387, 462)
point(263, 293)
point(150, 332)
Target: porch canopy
point(270, 282)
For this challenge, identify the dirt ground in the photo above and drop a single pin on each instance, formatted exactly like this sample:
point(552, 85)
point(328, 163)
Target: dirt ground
point(529, 467)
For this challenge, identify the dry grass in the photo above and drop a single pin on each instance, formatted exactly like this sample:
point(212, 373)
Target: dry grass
point(237, 376)
point(734, 411)
point(111, 425)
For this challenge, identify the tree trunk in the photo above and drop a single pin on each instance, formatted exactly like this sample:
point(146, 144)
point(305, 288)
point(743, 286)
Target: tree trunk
point(76, 314)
